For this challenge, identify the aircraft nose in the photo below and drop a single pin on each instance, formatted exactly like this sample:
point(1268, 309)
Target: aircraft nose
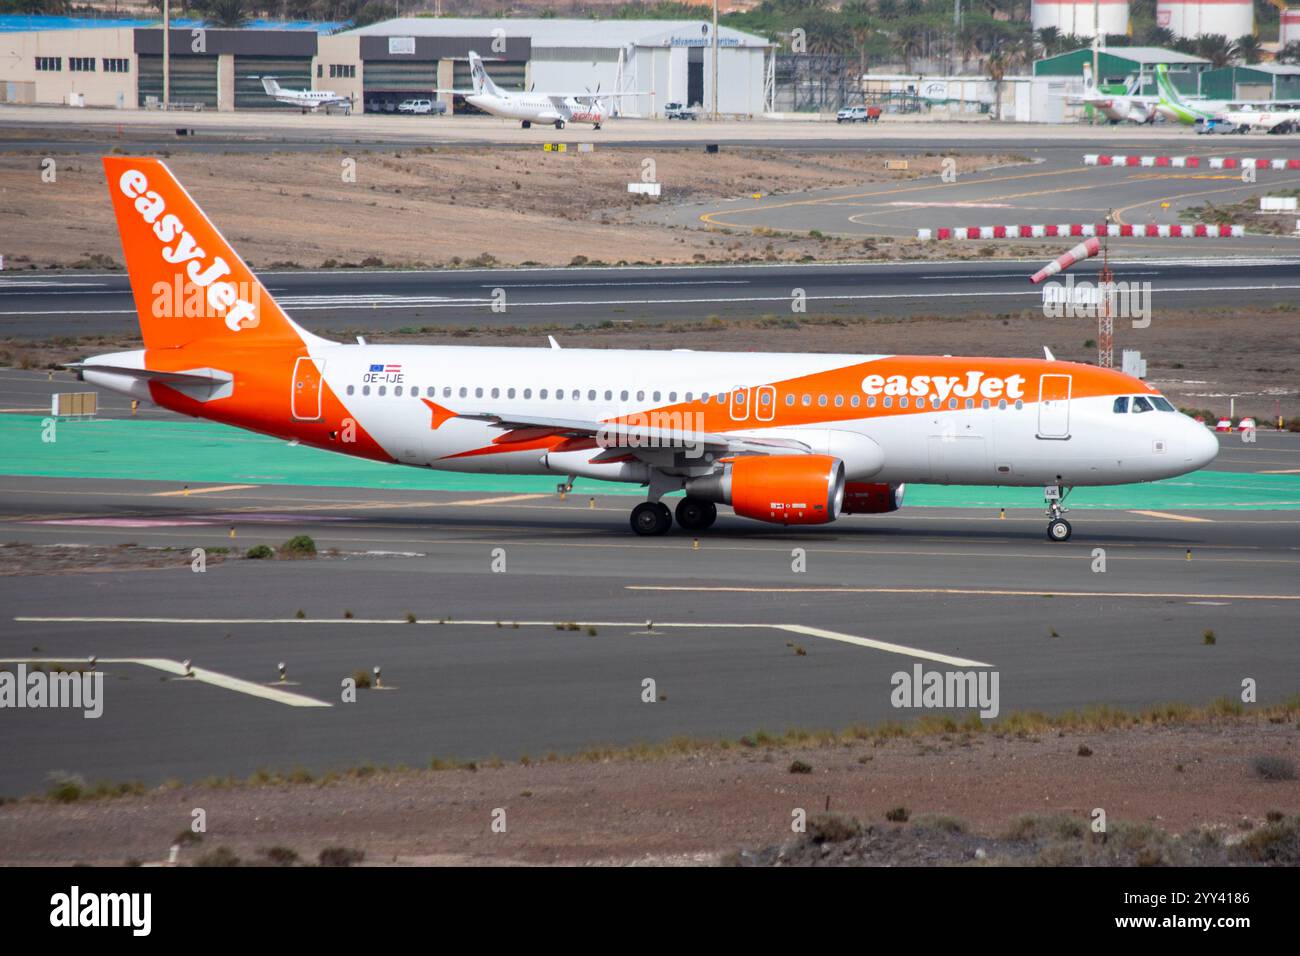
point(1202, 444)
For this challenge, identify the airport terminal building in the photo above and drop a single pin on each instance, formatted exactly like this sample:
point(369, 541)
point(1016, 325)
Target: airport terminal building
point(118, 64)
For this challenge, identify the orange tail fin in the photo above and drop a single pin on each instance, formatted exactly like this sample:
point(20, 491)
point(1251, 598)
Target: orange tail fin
point(189, 284)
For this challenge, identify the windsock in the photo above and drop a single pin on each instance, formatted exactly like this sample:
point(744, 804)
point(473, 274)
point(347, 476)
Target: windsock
point(1084, 250)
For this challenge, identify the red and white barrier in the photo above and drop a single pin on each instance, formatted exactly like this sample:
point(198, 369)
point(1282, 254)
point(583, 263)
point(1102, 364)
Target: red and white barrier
point(1111, 230)
point(1084, 250)
point(1189, 162)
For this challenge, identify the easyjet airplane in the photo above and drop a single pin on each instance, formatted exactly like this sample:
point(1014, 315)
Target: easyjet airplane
point(790, 439)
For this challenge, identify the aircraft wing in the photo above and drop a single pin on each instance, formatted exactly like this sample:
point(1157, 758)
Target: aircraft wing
point(457, 92)
point(630, 436)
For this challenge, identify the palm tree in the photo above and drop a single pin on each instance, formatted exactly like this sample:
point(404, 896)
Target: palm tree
point(231, 14)
point(1049, 41)
point(858, 17)
point(911, 39)
point(968, 43)
point(1215, 48)
point(1248, 49)
point(996, 67)
point(1157, 36)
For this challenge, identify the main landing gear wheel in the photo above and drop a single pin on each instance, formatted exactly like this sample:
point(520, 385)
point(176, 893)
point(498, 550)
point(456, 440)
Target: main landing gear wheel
point(651, 518)
point(696, 514)
point(1059, 530)
point(559, 124)
point(525, 124)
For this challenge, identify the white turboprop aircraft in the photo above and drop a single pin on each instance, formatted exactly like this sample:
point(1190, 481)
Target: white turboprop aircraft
point(306, 99)
point(786, 438)
point(1118, 109)
point(549, 109)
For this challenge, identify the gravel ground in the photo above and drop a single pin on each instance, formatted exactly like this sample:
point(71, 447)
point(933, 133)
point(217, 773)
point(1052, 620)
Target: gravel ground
point(443, 206)
point(961, 794)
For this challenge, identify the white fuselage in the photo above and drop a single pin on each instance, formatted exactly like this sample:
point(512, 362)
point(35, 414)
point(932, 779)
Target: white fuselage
point(1086, 442)
point(537, 107)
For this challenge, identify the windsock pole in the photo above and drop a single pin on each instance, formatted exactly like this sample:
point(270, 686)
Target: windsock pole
point(1084, 250)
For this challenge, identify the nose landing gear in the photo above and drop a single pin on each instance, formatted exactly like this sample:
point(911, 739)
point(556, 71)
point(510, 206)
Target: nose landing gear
point(1058, 529)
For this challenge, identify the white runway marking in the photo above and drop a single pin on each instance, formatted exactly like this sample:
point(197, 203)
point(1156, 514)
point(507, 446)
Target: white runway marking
point(186, 492)
point(977, 592)
point(803, 629)
point(200, 674)
point(1171, 517)
point(880, 645)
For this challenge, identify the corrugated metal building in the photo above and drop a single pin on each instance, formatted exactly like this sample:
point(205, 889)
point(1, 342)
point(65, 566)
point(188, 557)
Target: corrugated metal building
point(1118, 63)
point(118, 63)
point(1260, 81)
point(671, 60)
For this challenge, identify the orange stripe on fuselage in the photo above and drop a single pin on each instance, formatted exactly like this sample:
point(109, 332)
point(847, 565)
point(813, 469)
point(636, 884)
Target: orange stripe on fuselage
point(956, 373)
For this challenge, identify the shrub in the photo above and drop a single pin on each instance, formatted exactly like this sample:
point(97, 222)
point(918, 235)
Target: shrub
point(1274, 768)
point(66, 787)
point(299, 546)
point(281, 855)
point(340, 856)
point(259, 552)
point(221, 856)
point(833, 828)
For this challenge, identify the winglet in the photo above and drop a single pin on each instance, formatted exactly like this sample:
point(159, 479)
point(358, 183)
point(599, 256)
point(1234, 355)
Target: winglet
point(554, 344)
point(1047, 354)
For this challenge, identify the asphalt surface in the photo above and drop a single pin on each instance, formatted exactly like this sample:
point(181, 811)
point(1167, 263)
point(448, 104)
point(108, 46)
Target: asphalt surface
point(1045, 185)
point(39, 127)
point(41, 306)
point(943, 588)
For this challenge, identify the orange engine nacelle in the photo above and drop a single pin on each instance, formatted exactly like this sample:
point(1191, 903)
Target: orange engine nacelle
point(872, 498)
point(782, 489)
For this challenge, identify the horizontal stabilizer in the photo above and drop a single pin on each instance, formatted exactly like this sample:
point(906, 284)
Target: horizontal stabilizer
point(208, 377)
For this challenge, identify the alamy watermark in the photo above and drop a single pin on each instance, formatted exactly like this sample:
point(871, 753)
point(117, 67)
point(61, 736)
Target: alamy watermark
point(37, 689)
point(958, 690)
point(1084, 300)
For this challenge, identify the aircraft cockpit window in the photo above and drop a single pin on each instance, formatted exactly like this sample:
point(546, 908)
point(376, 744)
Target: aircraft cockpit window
point(1140, 404)
point(1121, 405)
point(1162, 403)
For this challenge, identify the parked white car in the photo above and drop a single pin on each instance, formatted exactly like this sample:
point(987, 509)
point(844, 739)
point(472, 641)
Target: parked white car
point(419, 106)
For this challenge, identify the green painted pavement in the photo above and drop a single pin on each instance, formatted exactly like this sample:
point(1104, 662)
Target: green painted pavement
point(200, 452)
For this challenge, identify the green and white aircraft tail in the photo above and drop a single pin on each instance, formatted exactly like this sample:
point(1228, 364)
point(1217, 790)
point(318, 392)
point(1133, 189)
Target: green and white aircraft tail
point(1172, 103)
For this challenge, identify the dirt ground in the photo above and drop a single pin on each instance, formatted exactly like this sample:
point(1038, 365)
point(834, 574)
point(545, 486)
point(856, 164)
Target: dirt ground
point(447, 206)
point(1208, 790)
point(1197, 357)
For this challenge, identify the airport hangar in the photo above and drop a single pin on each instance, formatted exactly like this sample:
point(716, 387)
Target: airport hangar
point(119, 63)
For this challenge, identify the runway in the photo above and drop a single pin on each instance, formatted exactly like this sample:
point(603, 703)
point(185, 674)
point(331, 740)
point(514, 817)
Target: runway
point(1050, 185)
point(42, 305)
point(738, 638)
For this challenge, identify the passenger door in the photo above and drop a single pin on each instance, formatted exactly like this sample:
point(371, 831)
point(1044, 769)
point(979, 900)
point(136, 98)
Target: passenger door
point(1054, 406)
